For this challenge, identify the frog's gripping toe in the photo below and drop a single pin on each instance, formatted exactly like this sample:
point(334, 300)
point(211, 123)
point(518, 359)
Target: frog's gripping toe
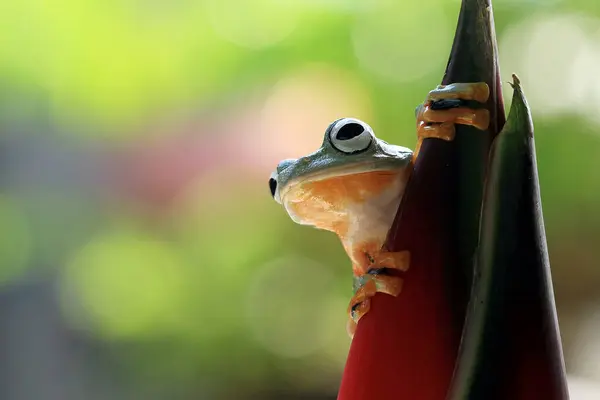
point(477, 91)
point(367, 285)
point(439, 123)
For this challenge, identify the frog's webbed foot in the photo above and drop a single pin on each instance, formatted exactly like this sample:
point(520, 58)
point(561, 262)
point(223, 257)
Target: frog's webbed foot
point(448, 105)
point(378, 278)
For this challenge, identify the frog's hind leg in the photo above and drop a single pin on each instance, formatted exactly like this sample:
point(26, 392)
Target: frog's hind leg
point(448, 105)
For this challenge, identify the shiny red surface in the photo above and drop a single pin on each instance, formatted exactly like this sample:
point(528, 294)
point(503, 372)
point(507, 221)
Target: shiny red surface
point(405, 347)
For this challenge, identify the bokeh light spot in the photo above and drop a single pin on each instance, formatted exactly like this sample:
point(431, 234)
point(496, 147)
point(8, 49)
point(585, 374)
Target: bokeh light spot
point(301, 106)
point(421, 27)
point(587, 344)
point(126, 284)
point(286, 301)
point(216, 228)
point(556, 61)
point(583, 388)
point(253, 24)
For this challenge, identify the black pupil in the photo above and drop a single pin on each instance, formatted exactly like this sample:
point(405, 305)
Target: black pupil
point(272, 186)
point(349, 131)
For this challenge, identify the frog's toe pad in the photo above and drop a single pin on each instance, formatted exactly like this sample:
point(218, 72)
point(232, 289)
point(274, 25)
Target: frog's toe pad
point(399, 260)
point(449, 104)
point(430, 121)
point(366, 287)
point(476, 91)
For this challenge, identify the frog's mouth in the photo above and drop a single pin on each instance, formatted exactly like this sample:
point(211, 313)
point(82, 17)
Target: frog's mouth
point(339, 172)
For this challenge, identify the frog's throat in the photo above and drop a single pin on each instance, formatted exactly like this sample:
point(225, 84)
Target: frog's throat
point(344, 170)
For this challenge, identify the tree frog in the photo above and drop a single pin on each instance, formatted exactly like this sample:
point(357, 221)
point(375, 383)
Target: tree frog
point(353, 185)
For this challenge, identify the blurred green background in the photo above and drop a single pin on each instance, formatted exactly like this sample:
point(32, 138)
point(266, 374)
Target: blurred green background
point(142, 256)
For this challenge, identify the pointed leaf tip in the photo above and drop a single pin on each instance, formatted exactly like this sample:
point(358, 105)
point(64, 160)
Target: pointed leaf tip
point(516, 83)
point(519, 119)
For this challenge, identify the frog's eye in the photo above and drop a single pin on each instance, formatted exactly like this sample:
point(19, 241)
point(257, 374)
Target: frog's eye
point(350, 135)
point(273, 187)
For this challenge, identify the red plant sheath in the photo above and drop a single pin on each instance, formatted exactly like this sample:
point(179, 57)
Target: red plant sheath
point(405, 346)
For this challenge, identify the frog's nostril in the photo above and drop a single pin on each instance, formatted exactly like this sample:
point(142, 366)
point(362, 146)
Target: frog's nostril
point(273, 186)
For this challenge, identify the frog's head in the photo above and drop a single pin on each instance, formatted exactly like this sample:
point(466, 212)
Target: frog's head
point(352, 174)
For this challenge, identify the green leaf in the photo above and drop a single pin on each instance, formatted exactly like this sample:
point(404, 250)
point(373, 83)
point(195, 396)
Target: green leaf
point(511, 346)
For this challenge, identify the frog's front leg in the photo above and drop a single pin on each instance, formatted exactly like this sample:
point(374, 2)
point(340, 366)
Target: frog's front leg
point(446, 106)
point(375, 275)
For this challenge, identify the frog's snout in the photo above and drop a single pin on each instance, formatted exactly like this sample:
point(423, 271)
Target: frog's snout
point(284, 167)
point(273, 187)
